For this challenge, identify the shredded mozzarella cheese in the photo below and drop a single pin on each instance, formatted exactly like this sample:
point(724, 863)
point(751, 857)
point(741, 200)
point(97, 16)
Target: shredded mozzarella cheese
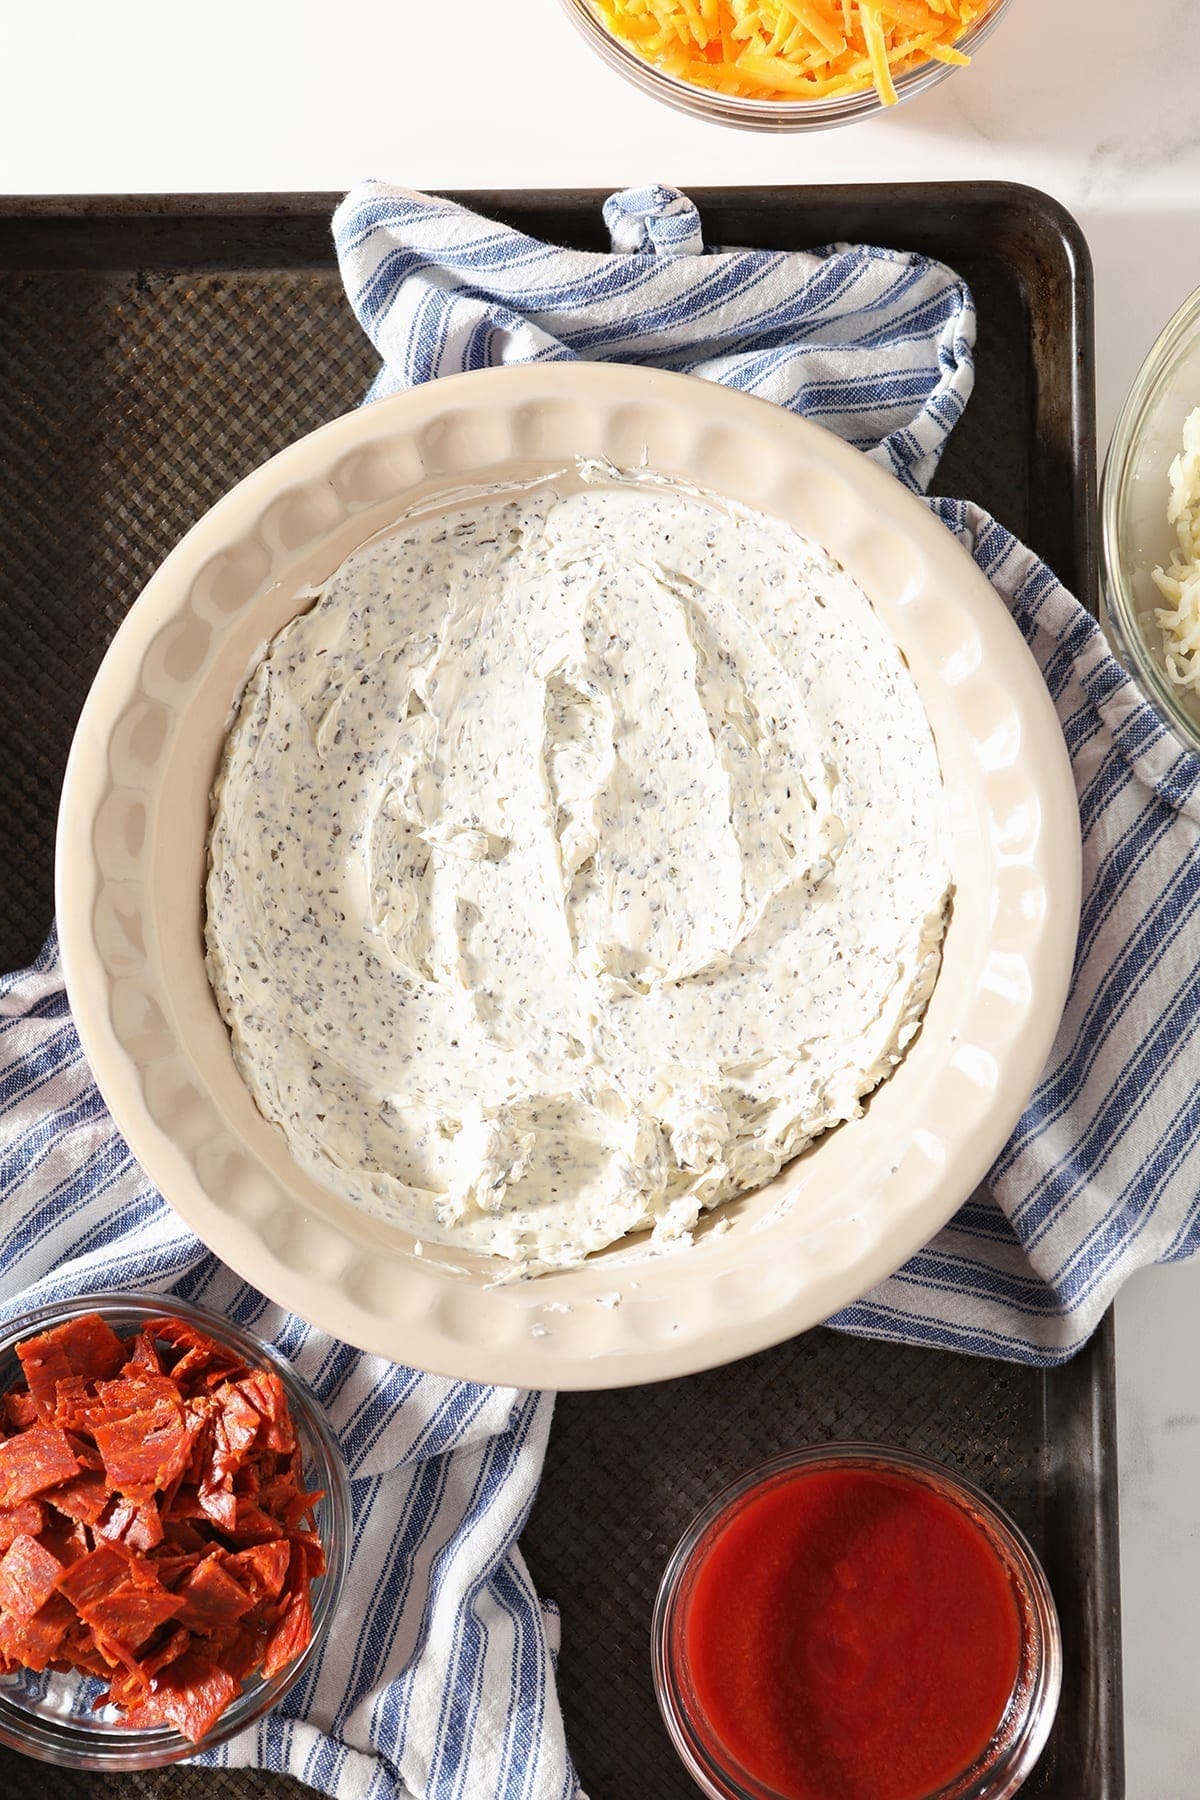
point(1179, 582)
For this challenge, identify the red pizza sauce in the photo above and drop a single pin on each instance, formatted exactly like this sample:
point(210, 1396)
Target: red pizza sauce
point(850, 1634)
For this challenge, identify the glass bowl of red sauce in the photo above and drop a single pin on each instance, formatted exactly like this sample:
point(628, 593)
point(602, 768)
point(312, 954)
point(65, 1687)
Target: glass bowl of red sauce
point(853, 1622)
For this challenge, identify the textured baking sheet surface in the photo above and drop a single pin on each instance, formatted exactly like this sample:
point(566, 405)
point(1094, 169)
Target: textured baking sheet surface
point(130, 400)
point(128, 405)
point(628, 1470)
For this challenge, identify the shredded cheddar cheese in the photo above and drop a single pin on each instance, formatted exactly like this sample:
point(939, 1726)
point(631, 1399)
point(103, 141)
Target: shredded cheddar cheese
point(793, 49)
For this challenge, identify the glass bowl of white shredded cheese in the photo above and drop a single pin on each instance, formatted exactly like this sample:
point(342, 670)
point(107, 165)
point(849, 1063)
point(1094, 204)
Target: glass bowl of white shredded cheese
point(1150, 527)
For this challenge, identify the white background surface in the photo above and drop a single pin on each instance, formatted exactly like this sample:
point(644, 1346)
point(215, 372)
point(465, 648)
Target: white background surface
point(1093, 100)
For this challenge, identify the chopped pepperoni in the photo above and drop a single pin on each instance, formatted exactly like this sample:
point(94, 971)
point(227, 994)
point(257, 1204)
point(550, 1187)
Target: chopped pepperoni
point(134, 1394)
point(285, 1501)
point(28, 1576)
point(264, 1390)
point(84, 1497)
point(155, 1528)
point(143, 1354)
point(211, 1597)
point(20, 1410)
point(201, 1356)
point(127, 1688)
point(86, 1452)
point(245, 1652)
point(67, 1539)
point(173, 1644)
point(190, 1693)
point(78, 1649)
point(86, 1346)
point(290, 1636)
point(173, 1565)
point(133, 1522)
point(119, 1595)
point(32, 1462)
point(220, 1505)
point(314, 1551)
point(98, 1573)
point(179, 1534)
point(35, 1643)
point(27, 1517)
point(237, 1425)
point(45, 1365)
point(146, 1449)
point(253, 1525)
point(261, 1568)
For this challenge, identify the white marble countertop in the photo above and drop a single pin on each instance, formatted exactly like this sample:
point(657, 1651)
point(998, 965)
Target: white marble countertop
point(1090, 100)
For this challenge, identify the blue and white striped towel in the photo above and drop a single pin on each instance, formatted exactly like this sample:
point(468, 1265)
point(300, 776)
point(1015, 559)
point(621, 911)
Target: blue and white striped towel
point(438, 1681)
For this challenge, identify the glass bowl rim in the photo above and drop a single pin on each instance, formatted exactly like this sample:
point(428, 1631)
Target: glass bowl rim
point(1041, 1702)
point(68, 1741)
point(1124, 615)
point(763, 114)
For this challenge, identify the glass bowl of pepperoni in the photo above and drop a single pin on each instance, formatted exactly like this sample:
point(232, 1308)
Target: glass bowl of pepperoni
point(174, 1531)
point(776, 66)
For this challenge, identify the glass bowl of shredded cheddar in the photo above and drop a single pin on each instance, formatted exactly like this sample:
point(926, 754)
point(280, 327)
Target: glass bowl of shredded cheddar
point(785, 65)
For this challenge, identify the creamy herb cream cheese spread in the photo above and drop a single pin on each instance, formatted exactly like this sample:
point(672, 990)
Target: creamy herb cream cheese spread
point(576, 859)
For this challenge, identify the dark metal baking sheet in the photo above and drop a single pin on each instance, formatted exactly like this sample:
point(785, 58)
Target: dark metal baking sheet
point(152, 351)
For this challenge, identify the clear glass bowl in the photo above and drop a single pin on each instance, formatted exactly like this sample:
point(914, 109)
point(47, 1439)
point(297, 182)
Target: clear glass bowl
point(766, 115)
point(1134, 534)
point(48, 1716)
point(1021, 1735)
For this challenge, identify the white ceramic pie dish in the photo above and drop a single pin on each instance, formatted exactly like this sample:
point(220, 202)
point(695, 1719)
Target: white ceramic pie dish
point(131, 867)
